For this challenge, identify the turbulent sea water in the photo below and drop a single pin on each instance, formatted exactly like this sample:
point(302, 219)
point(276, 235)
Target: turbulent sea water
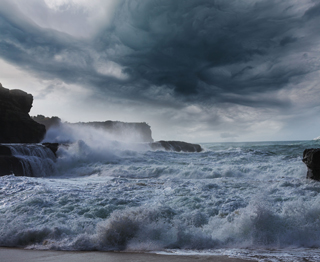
point(247, 200)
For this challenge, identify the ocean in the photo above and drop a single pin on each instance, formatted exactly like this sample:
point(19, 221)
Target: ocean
point(246, 200)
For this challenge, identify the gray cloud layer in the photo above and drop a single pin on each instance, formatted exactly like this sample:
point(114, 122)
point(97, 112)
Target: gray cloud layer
point(175, 53)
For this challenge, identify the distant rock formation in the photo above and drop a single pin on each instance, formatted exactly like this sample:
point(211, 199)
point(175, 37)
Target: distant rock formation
point(122, 131)
point(311, 157)
point(177, 146)
point(138, 132)
point(15, 122)
point(48, 122)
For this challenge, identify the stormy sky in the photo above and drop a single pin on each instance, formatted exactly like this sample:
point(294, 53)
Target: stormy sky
point(195, 70)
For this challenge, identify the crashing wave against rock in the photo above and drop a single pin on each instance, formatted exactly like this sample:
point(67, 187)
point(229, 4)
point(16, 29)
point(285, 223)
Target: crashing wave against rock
point(18, 132)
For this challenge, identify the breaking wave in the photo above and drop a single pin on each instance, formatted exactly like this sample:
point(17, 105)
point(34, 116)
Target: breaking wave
point(108, 196)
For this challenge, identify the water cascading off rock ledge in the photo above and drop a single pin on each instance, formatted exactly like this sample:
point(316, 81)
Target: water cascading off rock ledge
point(28, 159)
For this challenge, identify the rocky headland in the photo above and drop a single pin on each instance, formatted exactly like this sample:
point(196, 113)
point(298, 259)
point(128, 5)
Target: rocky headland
point(15, 122)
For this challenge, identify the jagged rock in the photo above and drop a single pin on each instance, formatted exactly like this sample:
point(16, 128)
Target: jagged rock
point(177, 146)
point(311, 157)
point(48, 122)
point(15, 122)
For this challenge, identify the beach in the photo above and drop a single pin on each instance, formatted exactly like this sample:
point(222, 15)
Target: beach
point(15, 255)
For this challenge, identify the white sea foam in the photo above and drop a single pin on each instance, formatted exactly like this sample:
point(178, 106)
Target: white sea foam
point(242, 200)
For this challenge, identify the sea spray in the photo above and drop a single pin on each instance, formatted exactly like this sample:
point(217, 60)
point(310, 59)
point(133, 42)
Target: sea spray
point(86, 150)
point(236, 197)
point(69, 133)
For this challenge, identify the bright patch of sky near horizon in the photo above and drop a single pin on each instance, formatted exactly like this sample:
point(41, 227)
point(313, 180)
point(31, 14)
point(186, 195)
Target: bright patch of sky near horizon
point(79, 18)
point(197, 71)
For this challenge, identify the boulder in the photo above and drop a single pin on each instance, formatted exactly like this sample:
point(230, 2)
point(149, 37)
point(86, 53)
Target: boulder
point(177, 146)
point(15, 122)
point(311, 157)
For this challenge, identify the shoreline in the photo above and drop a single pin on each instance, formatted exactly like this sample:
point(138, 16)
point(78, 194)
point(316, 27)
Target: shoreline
point(8, 254)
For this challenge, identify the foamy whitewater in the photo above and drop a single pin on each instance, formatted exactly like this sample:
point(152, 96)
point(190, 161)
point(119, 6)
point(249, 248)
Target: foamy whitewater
point(247, 200)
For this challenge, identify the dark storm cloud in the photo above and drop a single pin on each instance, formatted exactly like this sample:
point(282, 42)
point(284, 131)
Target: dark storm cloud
point(204, 49)
point(197, 51)
point(313, 12)
point(214, 51)
point(46, 52)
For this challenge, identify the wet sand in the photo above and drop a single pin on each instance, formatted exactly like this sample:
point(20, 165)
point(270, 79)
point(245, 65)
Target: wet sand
point(16, 255)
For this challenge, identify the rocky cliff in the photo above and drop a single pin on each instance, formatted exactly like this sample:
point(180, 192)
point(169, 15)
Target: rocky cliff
point(16, 126)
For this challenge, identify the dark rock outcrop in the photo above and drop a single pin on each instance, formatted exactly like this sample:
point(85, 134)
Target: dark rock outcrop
point(48, 122)
point(177, 146)
point(11, 165)
point(16, 126)
point(52, 146)
point(311, 157)
point(5, 151)
point(8, 163)
point(138, 132)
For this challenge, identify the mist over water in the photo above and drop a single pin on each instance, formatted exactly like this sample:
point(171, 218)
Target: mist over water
point(86, 150)
point(240, 199)
point(95, 136)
